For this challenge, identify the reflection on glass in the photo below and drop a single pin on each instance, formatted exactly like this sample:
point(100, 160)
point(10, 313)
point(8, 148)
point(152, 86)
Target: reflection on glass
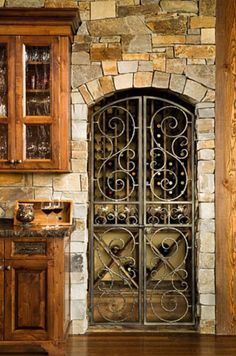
point(38, 142)
point(3, 141)
point(3, 80)
point(37, 69)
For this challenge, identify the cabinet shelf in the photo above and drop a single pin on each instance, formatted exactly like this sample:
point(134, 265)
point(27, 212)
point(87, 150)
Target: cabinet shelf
point(37, 90)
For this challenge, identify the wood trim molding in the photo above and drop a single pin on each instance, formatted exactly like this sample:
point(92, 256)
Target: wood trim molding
point(56, 17)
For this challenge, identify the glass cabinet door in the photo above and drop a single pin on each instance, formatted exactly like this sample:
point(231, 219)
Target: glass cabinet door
point(3, 103)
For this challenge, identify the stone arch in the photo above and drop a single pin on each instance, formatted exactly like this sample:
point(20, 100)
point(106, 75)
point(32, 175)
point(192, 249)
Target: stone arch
point(179, 84)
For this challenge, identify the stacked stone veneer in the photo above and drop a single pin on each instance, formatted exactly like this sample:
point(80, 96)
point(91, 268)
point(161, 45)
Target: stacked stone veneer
point(123, 44)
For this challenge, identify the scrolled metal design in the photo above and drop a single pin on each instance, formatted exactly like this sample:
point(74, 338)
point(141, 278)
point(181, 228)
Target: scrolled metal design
point(105, 215)
point(172, 304)
point(169, 157)
point(121, 160)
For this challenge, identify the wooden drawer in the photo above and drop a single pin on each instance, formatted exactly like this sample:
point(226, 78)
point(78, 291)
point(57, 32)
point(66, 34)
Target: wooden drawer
point(28, 248)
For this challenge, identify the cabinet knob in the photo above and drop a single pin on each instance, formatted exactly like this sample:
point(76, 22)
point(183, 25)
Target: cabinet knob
point(1, 268)
point(8, 268)
point(11, 161)
point(18, 161)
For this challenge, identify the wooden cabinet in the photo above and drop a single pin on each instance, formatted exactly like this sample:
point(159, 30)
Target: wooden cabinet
point(35, 91)
point(34, 293)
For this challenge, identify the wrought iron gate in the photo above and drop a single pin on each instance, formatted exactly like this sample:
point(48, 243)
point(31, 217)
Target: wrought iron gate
point(142, 213)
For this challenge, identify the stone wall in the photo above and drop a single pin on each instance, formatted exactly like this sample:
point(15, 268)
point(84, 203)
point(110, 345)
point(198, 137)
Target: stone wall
point(121, 44)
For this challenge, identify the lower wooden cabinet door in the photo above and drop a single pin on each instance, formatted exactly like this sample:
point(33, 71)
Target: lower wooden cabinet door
point(28, 299)
point(1, 299)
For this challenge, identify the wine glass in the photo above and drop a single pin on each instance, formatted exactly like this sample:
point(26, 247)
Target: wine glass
point(47, 208)
point(57, 209)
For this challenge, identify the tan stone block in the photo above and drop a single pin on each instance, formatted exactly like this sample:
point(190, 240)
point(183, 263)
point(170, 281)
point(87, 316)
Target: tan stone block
point(193, 39)
point(207, 299)
point(142, 79)
point(194, 90)
point(103, 9)
point(206, 281)
point(109, 67)
point(161, 80)
point(42, 180)
point(79, 145)
point(202, 22)
point(76, 98)
point(145, 66)
point(104, 52)
point(206, 197)
point(43, 193)
point(207, 327)
point(110, 39)
point(79, 165)
point(127, 67)
point(191, 51)
point(123, 81)
point(206, 154)
point(177, 83)
point(205, 125)
point(207, 7)
point(179, 6)
point(8, 179)
point(95, 89)
point(206, 182)
point(206, 260)
point(175, 66)
point(25, 3)
point(81, 57)
point(60, 3)
point(208, 312)
point(67, 182)
point(208, 35)
point(136, 57)
point(167, 24)
point(198, 61)
point(210, 96)
point(84, 182)
point(86, 94)
point(167, 40)
point(159, 61)
point(107, 84)
point(206, 167)
point(206, 210)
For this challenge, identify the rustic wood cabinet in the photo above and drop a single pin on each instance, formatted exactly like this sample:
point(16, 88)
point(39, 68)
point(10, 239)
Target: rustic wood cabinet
point(35, 291)
point(35, 89)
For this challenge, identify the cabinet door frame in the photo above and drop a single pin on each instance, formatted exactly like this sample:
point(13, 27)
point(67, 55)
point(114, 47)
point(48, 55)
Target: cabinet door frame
point(12, 332)
point(10, 118)
point(53, 119)
point(1, 289)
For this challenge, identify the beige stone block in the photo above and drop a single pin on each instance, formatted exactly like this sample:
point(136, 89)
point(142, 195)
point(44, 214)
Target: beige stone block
point(25, 3)
point(107, 84)
point(79, 154)
point(161, 80)
point(196, 61)
point(79, 165)
point(79, 130)
point(42, 179)
point(81, 145)
point(206, 197)
point(207, 299)
point(67, 182)
point(81, 57)
point(84, 182)
point(159, 61)
point(206, 225)
point(179, 6)
point(86, 94)
point(79, 326)
point(76, 98)
point(136, 57)
point(193, 39)
point(79, 112)
point(176, 66)
point(191, 51)
point(206, 281)
point(123, 81)
point(43, 193)
point(103, 9)
point(60, 3)
point(207, 210)
point(205, 144)
point(205, 125)
point(167, 40)
point(194, 90)
point(208, 35)
point(127, 67)
point(11, 180)
point(136, 43)
point(145, 66)
point(167, 24)
point(177, 83)
point(210, 95)
point(206, 183)
point(202, 22)
point(206, 154)
point(142, 79)
point(95, 89)
point(84, 73)
point(207, 312)
point(204, 74)
point(205, 167)
point(109, 67)
point(206, 260)
point(110, 39)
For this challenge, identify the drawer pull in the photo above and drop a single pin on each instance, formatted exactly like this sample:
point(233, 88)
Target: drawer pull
point(8, 268)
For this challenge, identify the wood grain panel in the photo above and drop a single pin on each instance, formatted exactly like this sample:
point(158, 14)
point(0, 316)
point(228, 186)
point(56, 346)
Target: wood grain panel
point(226, 169)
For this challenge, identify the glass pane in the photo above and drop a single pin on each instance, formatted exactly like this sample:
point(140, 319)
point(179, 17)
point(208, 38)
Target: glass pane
point(38, 142)
point(3, 80)
point(37, 80)
point(3, 141)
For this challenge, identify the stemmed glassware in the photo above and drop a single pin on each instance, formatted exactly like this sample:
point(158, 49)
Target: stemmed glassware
point(47, 208)
point(57, 209)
